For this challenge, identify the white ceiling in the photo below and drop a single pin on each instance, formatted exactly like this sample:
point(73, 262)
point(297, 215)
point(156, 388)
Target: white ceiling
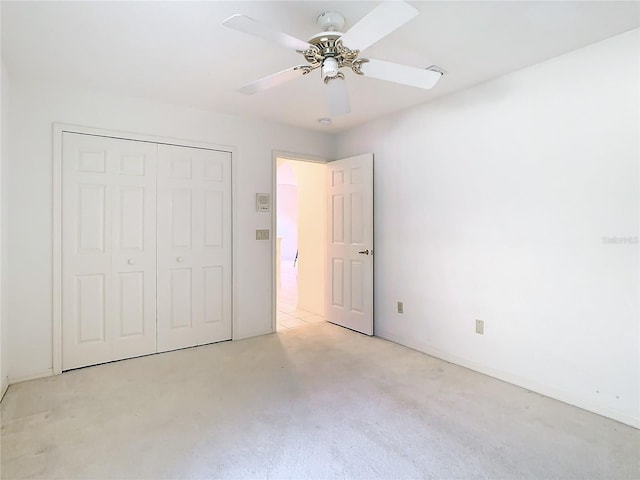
point(178, 52)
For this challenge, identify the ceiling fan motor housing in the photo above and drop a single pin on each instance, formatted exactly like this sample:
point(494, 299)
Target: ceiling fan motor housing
point(328, 52)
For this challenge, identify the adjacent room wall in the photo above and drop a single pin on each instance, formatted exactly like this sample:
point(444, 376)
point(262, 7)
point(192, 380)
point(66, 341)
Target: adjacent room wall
point(34, 107)
point(517, 202)
point(312, 234)
point(4, 155)
point(287, 218)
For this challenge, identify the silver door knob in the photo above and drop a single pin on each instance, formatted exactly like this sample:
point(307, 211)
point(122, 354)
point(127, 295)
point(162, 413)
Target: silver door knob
point(131, 261)
point(364, 252)
point(179, 259)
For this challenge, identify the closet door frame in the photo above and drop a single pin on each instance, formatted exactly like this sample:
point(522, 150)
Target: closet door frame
point(58, 130)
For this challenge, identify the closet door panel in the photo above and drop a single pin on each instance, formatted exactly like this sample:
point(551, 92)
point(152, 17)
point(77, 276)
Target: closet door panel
point(216, 240)
point(181, 310)
point(86, 251)
point(213, 287)
point(133, 331)
point(108, 249)
point(194, 235)
point(175, 249)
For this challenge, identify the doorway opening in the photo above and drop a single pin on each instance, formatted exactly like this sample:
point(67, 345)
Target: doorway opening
point(301, 236)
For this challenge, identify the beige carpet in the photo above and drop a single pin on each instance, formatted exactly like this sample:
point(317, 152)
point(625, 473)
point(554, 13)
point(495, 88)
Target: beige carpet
point(313, 402)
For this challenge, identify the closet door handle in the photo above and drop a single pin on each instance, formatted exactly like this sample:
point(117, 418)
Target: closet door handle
point(179, 259)
point(131, 261)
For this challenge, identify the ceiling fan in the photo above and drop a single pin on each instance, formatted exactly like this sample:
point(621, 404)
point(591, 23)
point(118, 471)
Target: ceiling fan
point(331, 50)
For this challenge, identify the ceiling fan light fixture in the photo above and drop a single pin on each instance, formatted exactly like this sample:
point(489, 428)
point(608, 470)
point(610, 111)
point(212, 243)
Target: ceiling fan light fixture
point(330, 67)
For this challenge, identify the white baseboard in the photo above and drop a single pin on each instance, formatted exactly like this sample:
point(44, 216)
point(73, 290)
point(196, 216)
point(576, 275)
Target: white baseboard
point(34, 376)
point(254, 334)
point(3, 388)
point(545, 390)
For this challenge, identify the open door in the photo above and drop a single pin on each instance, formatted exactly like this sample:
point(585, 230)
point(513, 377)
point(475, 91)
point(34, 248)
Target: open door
point(350, 243)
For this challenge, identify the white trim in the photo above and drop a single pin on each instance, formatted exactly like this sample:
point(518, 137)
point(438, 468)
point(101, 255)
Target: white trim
point(516, 380)
point(274, 241)
point(234, 231)
point(58, 130)
point(299, 157)
point(34, 376)
point(140, 137)
point(5, 387)
point(276, 154)
point(56, 203)
point(257, 333)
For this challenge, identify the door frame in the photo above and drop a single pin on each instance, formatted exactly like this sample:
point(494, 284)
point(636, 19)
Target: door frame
point(300, 157)
point(58, 130)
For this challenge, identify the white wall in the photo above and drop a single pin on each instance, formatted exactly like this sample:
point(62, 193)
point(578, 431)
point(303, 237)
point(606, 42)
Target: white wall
point(287, 204)
point(312, 234)
point(34, 107)
point(493, 203)
point(4, 155)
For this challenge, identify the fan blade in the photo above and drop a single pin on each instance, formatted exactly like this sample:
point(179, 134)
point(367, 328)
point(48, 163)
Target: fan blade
point(337, 97)
point(271, 81)
point(394, 72)
point(377, 24)
point(248, 25)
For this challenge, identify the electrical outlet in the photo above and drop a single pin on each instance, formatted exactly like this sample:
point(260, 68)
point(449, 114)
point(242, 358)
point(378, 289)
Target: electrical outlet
point(400, 307)
point(480, 327)
point(262, 234)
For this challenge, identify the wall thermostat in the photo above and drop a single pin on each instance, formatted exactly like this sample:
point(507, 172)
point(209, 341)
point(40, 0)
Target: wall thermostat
point(263, 202)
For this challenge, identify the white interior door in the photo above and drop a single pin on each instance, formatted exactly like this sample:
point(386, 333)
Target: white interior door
point(194, 246)
point(350, 243)
point(108, 249)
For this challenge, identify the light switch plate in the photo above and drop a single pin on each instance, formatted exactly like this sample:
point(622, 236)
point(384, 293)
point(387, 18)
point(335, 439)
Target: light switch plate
point(262, 234)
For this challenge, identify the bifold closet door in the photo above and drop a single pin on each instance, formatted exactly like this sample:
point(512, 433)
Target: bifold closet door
point(194, 246)
point(108, 249)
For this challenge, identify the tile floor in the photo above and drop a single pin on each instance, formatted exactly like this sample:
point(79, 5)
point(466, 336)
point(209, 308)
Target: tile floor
point(289, 315)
